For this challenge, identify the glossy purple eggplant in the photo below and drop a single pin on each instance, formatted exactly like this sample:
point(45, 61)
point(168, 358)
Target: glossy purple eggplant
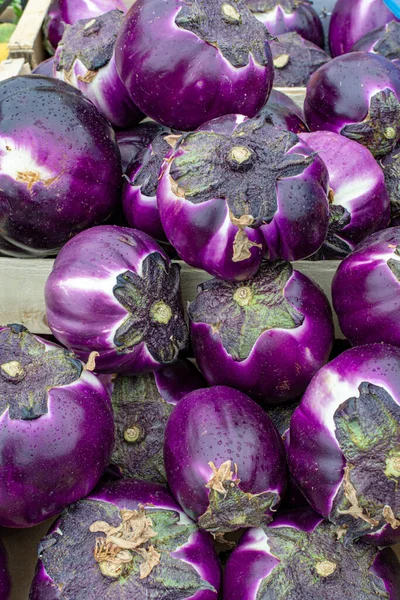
point(344, 450)
point(185, 64)
point(85, 59)
point(56, 428)
point(225, 460)
point(283, 16)
point(358, 96)
point(132, 141)
point(5, 581)
point(139, 201)
point(283, 117)
point(300, 555)
point(366, 289)
point(295, 60)
point(358, 199)
point(128, 539)
point(384, 40)
point(227, 199)
point(266, 336)
point(114, 291)
point(60, 166)
point(44, 68)
point(350, 21)
point(278, 97)
point(142, 406)
point(68, 12)
point(391, 170)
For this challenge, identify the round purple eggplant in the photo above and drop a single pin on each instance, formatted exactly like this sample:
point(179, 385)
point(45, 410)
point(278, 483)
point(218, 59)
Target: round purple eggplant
point(383, 40)
point(358, 96)
point(350, 21)
point(266, 336)
point(225, 460)
point(280, 116)
point(45, 68)
point(5, 581)
point(300, 555)
point(295, 59)
point(344, 450)
point(283, 16)
point(134, 140)
point(85, 59)
point(187, 63)
point(366, 289)
point(128, 539)
point(358, 199)
point(391, 170)
point(278, 97)
point(68, 12)
point(114, 291)
point(139, 201)
point(226, 200)
point(142, 406)
point(60, 165)
point(56, 428)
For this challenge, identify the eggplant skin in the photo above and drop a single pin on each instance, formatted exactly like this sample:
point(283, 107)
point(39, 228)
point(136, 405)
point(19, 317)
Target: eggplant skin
point(195, 553)
point(264, 566)
point(5, 581)
point(177, 77)
point(60, 157)
point(365, 290)
point(350, 21)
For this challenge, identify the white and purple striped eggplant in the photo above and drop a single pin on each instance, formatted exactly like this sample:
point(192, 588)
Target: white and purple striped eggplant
point(344, 450)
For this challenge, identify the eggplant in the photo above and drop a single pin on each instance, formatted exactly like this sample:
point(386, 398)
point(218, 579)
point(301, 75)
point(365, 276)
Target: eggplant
point(85, 59)
point(365, 290)
point(344, 450)
point(358, 199)
point(295, 60)
point(225, 460)
point(366, 109)
point(186, 63)
point(227, 199)
point(391, 170)
point(134, 140)
point(283, 16)
point(300, 555)
point(127, 539)
point(266, 336)
point(384, 40)
point(114, 291)
point(60, 165)
point(44, 68)
point(142, 406)
point(56, 428)
point(350, 21)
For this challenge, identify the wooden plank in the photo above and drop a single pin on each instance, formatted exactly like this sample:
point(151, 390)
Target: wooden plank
point(22, 289)
point(27, 39)
point(297, 94)
point(13, 66)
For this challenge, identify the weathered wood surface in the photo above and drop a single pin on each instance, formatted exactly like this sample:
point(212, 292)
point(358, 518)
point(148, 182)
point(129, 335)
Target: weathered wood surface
point(22, 288)
point(297, 94)
point(27, 39)
point(13, 66)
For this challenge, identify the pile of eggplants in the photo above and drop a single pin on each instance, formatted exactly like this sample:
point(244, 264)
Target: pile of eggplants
point(163, 432)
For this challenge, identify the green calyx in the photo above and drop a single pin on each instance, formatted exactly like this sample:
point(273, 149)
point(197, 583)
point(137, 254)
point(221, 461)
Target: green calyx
point(393, 464)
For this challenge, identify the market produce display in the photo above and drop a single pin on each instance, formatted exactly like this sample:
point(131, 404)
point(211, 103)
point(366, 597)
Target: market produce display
point(283, 16)
point(5, 584)
point(345, 441)
point(224, 459)
point(301, 556)
point(266, 336)
point(56, 428)
point(142, 406)
point(128, 539)
point(216, 444)
point(114, 291)
point(365, 290)
point(60, 157)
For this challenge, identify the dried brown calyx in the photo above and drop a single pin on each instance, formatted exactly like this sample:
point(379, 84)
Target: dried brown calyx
point(116, 550)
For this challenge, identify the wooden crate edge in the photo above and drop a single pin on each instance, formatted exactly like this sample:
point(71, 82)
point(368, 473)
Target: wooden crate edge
point(25, 42)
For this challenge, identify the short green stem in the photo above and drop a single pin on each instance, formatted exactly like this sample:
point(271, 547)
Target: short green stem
point(161, 312)
point(13, 369)
point(390, 133)
point(239, 155)
point(243, 296)
point(133, 434)
point(231, 14)
point(325, 568)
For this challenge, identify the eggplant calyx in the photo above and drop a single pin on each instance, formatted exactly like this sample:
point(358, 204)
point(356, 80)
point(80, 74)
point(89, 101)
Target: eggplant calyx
point(239, 157)
point(243, 296)
point(390, 518)
point(115, 551)
point(380, 131)
point(133, 434)
point(230, 508)
point(325, 568)
point(230, 14)
point(13, 370)
point(355, 509)
point(153, 304)
point(264, 6)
